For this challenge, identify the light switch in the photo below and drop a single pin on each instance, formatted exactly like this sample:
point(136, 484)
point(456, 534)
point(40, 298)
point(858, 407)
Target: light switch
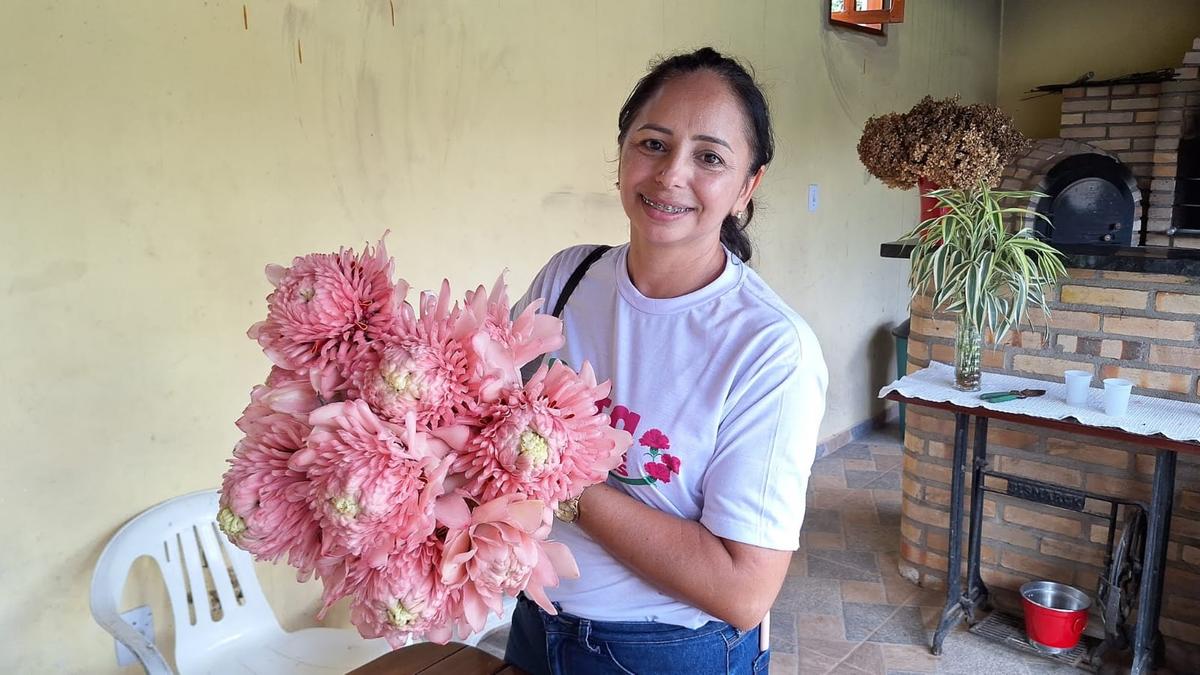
point(812, 197)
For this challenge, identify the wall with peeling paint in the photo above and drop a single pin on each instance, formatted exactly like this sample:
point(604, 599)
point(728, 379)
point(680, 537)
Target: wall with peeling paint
point(156, 155)
point(1055, 42)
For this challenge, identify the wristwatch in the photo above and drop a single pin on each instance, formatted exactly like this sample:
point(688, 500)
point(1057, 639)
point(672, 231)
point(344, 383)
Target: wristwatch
point(567, 510)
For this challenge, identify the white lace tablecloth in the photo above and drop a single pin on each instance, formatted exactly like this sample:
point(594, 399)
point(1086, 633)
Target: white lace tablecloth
point(1147, 415)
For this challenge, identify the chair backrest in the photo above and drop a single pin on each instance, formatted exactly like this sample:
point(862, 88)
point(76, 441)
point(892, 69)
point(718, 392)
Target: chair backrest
point(214, 592)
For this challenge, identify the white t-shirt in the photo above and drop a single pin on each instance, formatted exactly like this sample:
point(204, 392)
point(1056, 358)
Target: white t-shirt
point(723, 390)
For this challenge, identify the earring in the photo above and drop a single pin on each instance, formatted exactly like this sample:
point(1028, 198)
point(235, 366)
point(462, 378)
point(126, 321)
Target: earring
point(739, 216)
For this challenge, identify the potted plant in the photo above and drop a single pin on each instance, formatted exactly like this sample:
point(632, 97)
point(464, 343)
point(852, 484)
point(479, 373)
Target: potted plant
point(965, 253)
point(974, 265)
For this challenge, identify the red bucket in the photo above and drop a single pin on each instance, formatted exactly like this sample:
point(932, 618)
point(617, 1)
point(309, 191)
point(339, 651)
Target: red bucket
point(1055, 615)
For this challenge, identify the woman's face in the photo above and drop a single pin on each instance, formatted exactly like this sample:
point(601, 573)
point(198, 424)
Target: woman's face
point(684, 164)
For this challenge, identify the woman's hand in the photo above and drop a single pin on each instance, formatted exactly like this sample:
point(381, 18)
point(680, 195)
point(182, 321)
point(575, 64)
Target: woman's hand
point(732, 581)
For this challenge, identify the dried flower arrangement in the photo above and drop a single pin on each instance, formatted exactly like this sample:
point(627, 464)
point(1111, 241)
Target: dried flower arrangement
point(964, 254)
point(940, 141)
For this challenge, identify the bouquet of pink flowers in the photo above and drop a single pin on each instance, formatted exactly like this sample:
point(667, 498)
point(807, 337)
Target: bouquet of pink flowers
point(395, 453)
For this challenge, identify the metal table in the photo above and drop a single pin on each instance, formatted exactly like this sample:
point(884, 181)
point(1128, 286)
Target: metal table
point(962, 603)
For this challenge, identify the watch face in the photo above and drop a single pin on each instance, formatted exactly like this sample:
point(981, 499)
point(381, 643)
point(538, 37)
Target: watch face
point(566, 511)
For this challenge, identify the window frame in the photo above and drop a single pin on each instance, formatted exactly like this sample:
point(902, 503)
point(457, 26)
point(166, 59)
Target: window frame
point(873, 20)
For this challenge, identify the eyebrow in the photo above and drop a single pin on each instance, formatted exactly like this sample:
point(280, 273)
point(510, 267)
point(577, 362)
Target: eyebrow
point(698, 137)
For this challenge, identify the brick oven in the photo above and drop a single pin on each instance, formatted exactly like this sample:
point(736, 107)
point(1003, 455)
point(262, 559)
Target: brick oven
point(1128, 310)
point(1152, 130)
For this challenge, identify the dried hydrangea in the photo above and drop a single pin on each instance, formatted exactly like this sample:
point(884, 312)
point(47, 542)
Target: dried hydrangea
point(952, 145)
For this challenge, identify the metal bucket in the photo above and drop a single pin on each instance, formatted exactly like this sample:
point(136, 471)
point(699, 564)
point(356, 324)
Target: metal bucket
point(1055, 615)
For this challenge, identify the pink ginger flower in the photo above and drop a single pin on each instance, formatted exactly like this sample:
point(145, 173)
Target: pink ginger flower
point(401, 600)
point(547, 440)
point(424, 369)
point(264, 506)
point(327, 306)
point(429, 378)
point(497, 550)
point(290, 393)
point(373, 483)
point(499, 346)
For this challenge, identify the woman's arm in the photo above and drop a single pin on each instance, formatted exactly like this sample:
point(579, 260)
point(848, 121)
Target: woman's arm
point(734, 582)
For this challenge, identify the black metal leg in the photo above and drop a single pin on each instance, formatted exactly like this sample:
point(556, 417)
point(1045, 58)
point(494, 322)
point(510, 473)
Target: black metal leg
point(953, 609)
point(977, 593)
point(1158, 523)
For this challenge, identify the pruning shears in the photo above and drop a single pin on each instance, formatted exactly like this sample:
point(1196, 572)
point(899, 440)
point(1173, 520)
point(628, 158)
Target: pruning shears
point(1002, 396)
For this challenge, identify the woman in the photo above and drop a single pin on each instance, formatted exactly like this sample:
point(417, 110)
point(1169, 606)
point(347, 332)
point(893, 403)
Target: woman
point(684, 549)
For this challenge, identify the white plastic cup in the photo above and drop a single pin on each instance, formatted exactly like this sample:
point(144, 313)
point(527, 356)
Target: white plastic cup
point(1116, 396)
point(1079, 383)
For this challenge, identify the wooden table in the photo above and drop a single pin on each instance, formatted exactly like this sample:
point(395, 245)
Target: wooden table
point(428, 658)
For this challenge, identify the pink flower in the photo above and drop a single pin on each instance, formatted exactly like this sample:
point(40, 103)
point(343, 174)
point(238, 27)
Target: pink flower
point(498, 551)
point(394, 452)
point(671, 461)
point(427, 377)
point(326, 306)
point(546, 440)
point(373, 483)
point(655, 439)
point(289, 393)
point(401, 600)
point(657, 471)
point(498, 346)
point(424, 368)
point(264, 509)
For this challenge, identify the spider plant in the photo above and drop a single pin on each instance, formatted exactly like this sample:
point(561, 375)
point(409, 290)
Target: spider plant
point(975, 265)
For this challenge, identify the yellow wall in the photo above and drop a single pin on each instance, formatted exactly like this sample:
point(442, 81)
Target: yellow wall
point(156, 155)
point(1046, 42)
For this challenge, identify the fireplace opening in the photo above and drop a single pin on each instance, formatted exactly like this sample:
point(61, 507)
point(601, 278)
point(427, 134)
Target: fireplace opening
point(1090, 200)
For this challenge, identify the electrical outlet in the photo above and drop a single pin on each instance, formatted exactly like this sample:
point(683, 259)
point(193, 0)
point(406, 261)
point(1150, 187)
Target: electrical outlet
point(812, 197)
point(142, 621)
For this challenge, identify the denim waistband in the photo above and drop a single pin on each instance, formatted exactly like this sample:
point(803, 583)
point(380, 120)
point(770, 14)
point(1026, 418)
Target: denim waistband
point(628, 631)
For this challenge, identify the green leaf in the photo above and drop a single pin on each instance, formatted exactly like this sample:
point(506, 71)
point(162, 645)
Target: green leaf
point(971, 261)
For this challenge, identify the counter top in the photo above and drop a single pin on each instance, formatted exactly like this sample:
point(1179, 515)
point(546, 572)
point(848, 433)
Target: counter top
point(1144, 259)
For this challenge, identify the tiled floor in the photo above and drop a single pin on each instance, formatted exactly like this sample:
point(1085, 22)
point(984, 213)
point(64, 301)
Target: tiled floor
point(844, 608)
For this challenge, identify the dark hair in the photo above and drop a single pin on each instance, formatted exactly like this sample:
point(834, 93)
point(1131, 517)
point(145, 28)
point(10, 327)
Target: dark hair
point(754, 104)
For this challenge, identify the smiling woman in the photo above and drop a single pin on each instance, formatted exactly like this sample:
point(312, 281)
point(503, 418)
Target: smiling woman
point(683, 550)
point(688, 171)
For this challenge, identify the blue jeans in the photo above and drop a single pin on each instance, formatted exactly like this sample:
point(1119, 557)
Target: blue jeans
point(569, 645)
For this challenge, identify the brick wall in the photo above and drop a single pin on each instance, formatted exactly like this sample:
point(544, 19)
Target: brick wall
point(1122, 119)
point(1140, 125)
point(1175, 100)
point(1140, 326)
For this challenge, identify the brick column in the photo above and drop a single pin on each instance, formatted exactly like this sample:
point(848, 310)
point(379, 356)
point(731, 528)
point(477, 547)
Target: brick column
point(1177, 96)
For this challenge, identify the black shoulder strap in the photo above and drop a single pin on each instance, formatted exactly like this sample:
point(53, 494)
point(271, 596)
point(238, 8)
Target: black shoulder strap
point(576, 277)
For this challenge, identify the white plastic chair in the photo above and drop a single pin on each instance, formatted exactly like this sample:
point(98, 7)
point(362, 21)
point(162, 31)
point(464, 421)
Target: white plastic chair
point(230, 628)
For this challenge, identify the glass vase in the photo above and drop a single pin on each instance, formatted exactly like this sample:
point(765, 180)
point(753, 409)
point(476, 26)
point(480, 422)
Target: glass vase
point(968, 357)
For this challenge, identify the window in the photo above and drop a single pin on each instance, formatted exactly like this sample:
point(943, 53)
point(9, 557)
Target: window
point(870, 16)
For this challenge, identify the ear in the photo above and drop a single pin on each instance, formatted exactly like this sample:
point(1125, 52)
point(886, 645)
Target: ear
point(748, 189)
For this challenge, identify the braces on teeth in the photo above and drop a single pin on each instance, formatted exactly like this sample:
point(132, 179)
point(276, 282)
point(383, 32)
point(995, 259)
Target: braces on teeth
point(665, 207)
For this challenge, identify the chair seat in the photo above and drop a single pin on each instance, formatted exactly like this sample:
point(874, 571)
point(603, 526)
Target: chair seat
point(313, 651)
point(239, 633)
